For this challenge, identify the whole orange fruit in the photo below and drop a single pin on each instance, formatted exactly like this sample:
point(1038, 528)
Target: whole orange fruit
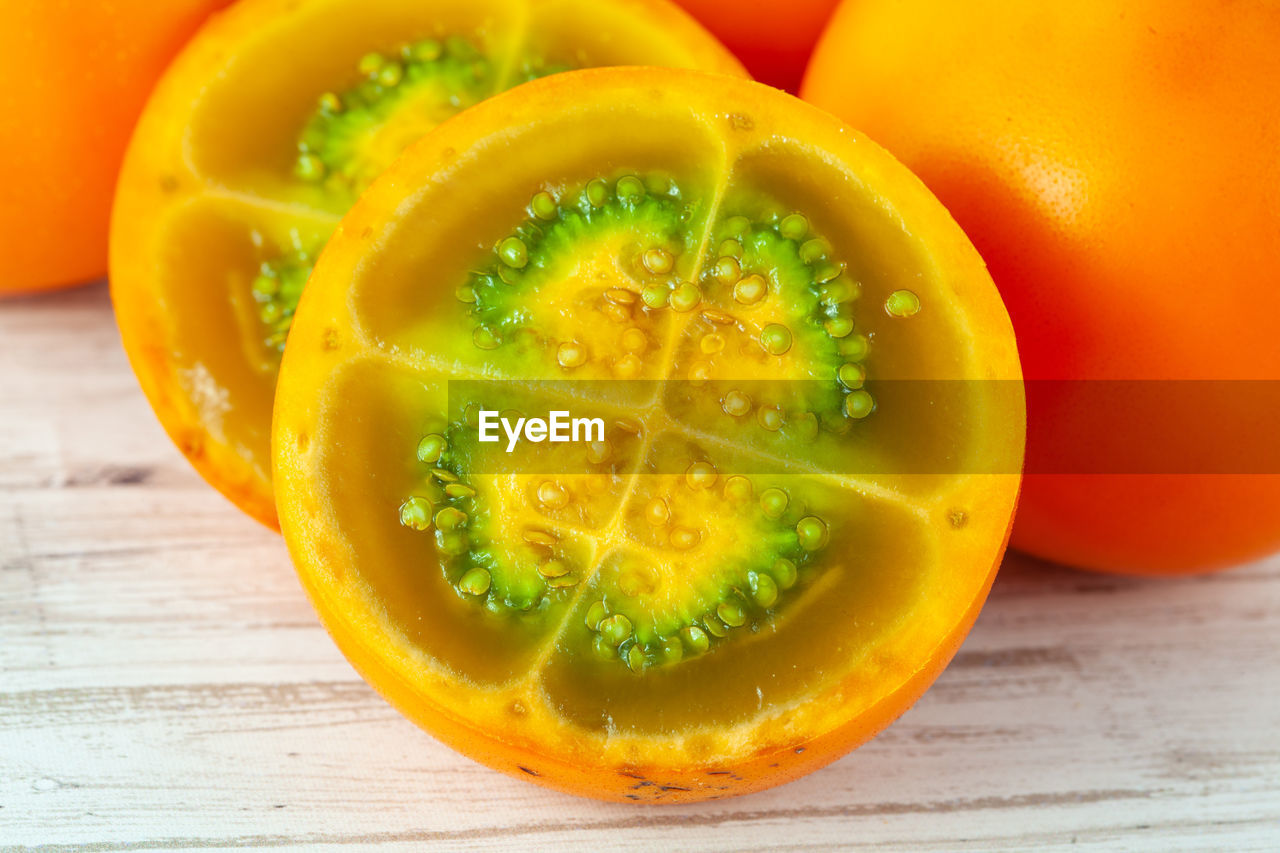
point(773, 41)
point(73, 78)
point(1117, 163)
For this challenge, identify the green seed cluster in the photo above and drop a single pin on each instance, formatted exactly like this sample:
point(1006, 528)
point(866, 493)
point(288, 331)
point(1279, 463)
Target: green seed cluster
point(450, 74)
point(444, 76)
point(559, 224)
point(276, 290)
point(781, 250)
point(479, 568)
point(788, 537)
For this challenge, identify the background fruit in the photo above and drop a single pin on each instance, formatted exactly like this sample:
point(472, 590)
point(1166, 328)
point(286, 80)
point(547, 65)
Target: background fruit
point(773, 40)
point(75, 76)
point(1116, 164)
point(253, 147)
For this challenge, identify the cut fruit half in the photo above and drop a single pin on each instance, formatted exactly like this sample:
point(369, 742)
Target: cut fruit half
point(259, 138)
point(810, 431)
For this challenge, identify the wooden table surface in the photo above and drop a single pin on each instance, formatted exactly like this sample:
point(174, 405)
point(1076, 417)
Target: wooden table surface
point(164, 684)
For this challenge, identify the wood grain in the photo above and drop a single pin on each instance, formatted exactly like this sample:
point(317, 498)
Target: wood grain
point(164, 685)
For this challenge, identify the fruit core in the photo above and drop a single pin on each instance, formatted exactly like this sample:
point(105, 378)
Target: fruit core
point(608, 281)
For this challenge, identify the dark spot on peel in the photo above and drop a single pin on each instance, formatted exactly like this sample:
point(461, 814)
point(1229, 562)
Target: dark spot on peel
point(527, 770)
point(192, 445)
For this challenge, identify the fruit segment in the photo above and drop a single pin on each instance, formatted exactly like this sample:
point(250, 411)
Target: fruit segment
point(747, 617)
point(207, 258)
point(812, 343)
point(465, 567)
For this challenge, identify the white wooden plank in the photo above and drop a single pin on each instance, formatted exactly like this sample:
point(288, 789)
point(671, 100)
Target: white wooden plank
point(164, 685)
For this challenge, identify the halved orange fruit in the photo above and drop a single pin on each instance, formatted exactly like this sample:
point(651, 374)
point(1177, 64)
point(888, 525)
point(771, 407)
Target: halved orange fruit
point(810, 435)
point(258, 139)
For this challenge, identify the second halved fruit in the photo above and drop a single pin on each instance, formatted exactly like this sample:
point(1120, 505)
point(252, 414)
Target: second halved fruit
point(258, 139)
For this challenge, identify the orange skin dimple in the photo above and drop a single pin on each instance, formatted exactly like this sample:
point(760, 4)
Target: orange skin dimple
point(75, 76)
point(1116, 164)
